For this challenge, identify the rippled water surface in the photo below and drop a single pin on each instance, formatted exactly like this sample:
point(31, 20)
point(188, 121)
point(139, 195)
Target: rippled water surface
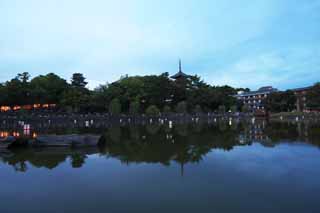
point(220, 167)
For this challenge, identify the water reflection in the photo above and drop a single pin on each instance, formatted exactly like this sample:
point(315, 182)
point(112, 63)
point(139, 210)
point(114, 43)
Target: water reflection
point(182, 144)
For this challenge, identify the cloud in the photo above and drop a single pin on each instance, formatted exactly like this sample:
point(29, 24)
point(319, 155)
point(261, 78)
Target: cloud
point(292, 67)
point(243, 42)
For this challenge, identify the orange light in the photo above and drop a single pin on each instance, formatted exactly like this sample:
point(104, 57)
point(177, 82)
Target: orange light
point(34, 135)
point(27, 107)
point(5, 108)
point(36, 106)
point(16, 107)
point(16, 134)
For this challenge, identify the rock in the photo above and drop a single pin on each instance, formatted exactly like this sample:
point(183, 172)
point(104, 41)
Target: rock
point(9, 139)
point(6, 142)
point(67, 140)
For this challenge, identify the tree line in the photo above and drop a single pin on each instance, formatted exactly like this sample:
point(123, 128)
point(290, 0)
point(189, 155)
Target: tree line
point(286, 101)
point(149, 94)
point(130, 94)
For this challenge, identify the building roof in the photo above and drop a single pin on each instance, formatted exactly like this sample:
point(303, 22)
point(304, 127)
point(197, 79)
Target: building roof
point(301, 89)
point(261, 91)
point(180, 74)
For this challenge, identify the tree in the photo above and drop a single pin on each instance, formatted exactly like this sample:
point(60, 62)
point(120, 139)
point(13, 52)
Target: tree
point(78, 80)
point(17, 92)
point(181, 107)
point(115, 107)
point(280, 101)
point(313, 97)
point(75, 99)
point(245, 109)
point(48, 89)
point(222, 109)
point(23, 77)
point(166, 109)
point(234, 109)
point(135, 107)
point(152, 110)
point(198, 109)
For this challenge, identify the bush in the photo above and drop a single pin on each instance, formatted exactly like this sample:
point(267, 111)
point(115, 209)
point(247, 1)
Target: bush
point(166, 109)
point(234, 109)
point(222, 109)
point(152, 110)
point(245, 109)
point(198, 109)
point(115, 107)
point(134, 107)
point(181, 107)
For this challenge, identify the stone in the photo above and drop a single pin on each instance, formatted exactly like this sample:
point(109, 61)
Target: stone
point(67, 140)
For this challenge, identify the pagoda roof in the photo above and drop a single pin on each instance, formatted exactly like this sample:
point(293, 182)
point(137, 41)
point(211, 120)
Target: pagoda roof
point(180, 74)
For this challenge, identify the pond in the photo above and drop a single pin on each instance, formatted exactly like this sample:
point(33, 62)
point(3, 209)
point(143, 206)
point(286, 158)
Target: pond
point(217, 167)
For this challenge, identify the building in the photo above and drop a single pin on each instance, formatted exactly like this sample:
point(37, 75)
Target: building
point(254, 99)
point(180, 75)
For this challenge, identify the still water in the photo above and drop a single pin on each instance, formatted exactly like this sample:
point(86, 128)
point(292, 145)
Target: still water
point(221, 167)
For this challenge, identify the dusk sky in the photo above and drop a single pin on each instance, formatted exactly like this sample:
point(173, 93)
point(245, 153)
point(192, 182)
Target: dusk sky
point(242, 43)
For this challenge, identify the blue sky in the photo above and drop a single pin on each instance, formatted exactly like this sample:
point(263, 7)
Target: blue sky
point(242, 43)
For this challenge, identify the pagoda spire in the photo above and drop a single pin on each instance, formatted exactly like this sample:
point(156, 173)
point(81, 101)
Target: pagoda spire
point(180, 74)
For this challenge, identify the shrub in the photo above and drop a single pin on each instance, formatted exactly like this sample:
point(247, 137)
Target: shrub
point(233, 108)
point(198, 109)
point(134, 107)
point(222, 109)
point(166, 109)
point(152, 110)
point(181, 107)
point(115, 107)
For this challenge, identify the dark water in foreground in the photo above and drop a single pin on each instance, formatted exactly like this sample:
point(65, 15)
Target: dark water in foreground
point(190, 168)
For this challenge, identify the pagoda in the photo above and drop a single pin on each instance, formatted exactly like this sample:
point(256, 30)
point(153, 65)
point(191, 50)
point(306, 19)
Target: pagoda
point(180, 75)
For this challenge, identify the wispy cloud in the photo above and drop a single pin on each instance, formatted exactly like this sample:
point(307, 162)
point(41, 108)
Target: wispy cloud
point(242, 43)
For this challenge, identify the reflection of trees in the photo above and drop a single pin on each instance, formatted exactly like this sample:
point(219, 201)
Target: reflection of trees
point(279, 131)
point(182, 144)
point(152, 129)
point(313, 133)
point(134, 132)
point(161, 149)
point(48, 158)
point(182, 130)
point(77, 160)
point(115, 133)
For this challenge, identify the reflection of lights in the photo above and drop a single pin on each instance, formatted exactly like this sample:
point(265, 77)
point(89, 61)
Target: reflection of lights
point(26, 127)
point(34, 135)
point(16, 107)
point(16, 134)
point(27, 107)
point(5, 108)
point(26, 131)
point(4, 134)
point(36, 106)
